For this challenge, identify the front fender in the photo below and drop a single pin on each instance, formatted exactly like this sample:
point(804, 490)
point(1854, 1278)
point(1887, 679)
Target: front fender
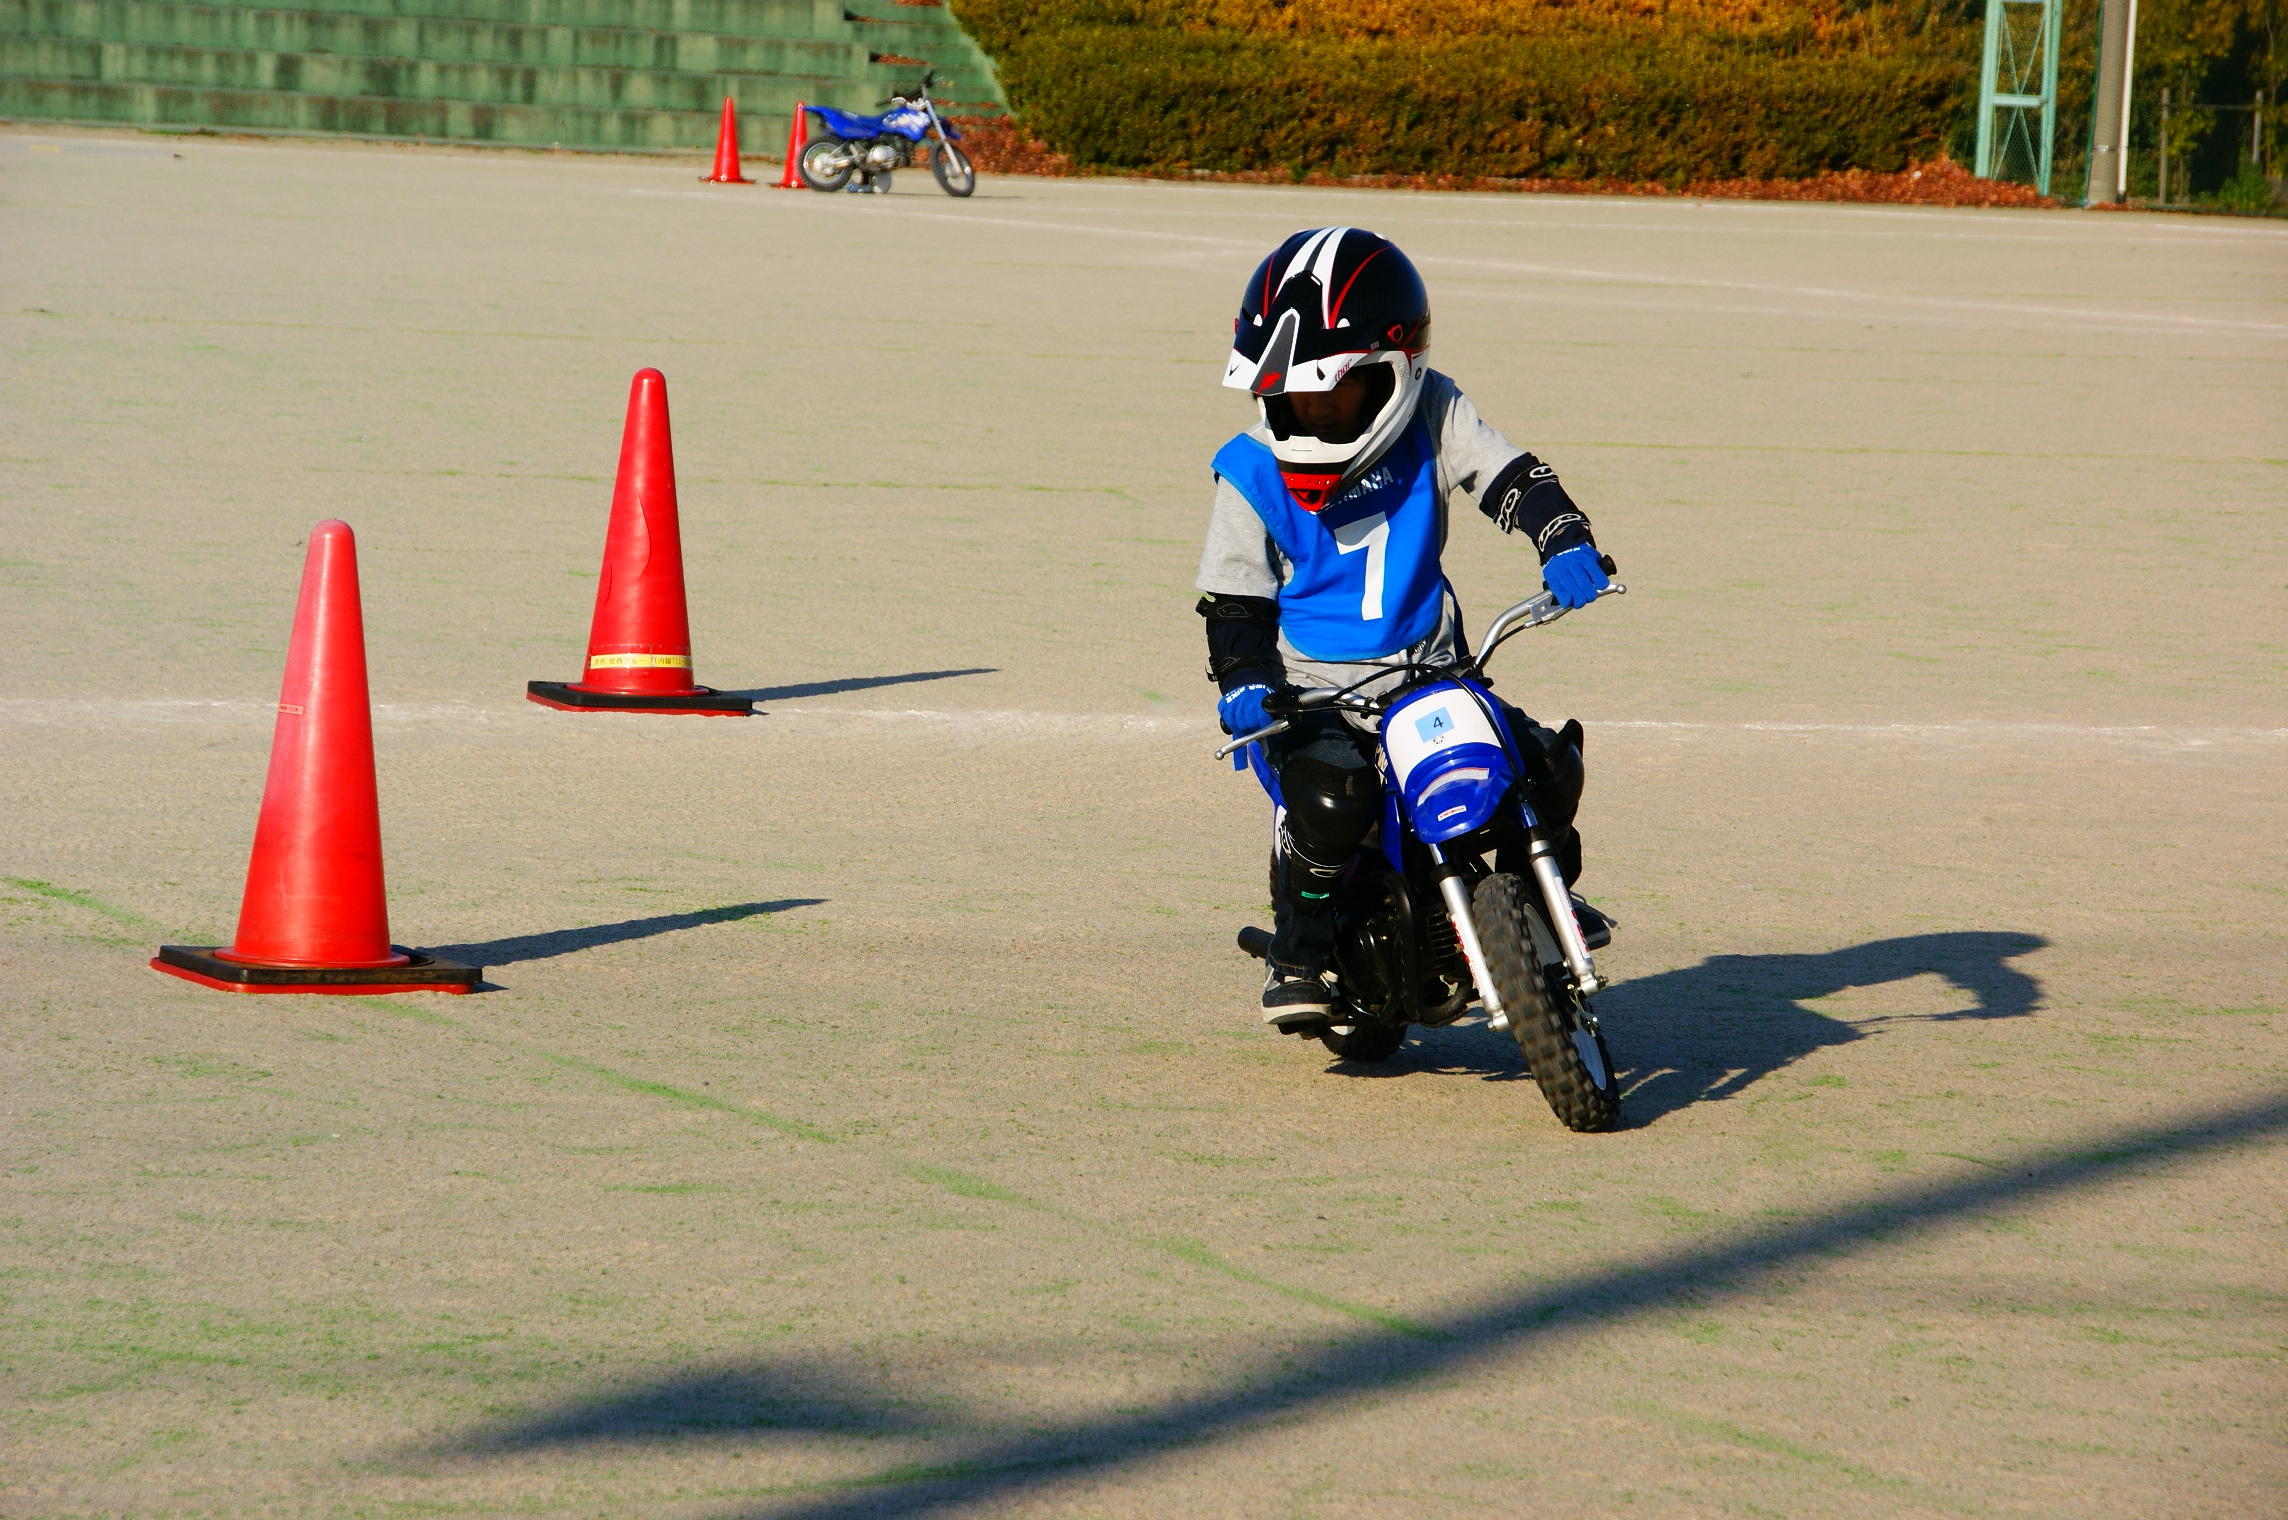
point(1460, 793)
point(1451, 765)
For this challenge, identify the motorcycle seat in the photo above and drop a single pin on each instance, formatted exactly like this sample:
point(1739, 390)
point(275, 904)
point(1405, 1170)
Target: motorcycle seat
point(844, 124)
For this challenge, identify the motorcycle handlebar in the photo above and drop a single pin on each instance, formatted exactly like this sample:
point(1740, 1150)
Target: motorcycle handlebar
point(1533, 612)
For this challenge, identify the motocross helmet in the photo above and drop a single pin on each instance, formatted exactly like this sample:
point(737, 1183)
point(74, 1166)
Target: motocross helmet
point(1331, 302)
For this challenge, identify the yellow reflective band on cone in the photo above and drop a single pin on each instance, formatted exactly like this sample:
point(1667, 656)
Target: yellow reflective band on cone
point(639, 662)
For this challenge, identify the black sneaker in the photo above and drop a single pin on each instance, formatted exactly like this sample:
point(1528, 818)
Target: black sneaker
point(1597, 926)
point(1296, 997)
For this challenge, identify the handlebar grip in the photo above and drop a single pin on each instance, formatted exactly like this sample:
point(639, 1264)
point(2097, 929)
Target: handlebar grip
point(1605, 563)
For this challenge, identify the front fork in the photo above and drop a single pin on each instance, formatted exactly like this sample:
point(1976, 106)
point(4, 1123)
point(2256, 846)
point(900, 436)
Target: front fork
point(1567, 928)
point(1454, 888)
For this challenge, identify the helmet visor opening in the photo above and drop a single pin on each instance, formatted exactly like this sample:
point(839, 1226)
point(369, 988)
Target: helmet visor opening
point(1338, 415)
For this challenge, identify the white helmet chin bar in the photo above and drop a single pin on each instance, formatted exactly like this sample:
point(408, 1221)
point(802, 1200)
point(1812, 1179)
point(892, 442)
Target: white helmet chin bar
point(1305, 454)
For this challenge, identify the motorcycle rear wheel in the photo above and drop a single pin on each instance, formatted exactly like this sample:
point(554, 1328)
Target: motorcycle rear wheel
point(1568, 1056)
point(955, 174)
point(826, 164)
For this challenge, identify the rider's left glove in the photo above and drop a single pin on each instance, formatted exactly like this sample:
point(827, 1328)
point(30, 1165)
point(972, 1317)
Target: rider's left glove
point(1240, 710)
point(1575, 577)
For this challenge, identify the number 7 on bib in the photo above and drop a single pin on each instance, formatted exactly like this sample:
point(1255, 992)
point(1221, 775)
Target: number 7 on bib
point(1373, 535)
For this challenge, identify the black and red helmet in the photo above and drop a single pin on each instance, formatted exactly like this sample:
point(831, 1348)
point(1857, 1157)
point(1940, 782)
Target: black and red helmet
point(1328, 302)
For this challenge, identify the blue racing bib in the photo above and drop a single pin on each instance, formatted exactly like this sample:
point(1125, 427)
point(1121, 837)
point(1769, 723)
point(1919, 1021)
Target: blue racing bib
point(1365, 581)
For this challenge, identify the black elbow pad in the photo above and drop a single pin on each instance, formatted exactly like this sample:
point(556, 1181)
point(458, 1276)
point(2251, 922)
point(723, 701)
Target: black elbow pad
point(1525, 497)
point(1243, 639)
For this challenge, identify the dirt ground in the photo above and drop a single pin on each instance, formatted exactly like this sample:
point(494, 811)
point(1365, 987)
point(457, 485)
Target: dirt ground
point(868, 1115)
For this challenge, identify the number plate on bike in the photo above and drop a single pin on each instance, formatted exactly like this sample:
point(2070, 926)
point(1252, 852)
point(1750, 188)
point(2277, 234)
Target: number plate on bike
point(1431, 723)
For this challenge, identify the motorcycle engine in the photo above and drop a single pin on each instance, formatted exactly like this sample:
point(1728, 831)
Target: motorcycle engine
point(881, 156)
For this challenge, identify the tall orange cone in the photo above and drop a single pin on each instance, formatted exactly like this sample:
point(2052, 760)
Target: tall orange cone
point(639, 643)
point(726, 171)
point(314, 917)
point(797, 139)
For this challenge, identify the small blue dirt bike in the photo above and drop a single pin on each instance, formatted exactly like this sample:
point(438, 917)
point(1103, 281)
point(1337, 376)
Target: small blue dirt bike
point(1458, 896)
point(870, 147)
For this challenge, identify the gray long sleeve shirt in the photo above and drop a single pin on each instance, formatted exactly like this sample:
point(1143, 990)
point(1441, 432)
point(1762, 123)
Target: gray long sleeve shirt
point(1241, 559)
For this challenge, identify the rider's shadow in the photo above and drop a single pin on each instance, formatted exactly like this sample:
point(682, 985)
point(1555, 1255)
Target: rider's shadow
point(1704, 1033)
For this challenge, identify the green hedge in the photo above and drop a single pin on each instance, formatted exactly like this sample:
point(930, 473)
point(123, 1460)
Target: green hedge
point(1612, 101)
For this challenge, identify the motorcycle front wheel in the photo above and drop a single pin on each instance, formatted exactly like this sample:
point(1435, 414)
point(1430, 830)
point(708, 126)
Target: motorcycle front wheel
point(826, 164)
point(955, 175)
point(1567, 1055)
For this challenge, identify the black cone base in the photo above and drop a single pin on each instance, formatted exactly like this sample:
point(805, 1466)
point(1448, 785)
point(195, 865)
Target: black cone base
point(424, 973)
point(566, 697)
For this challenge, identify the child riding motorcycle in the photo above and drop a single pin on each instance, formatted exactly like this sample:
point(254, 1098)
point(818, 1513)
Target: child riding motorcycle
point(1322, 558)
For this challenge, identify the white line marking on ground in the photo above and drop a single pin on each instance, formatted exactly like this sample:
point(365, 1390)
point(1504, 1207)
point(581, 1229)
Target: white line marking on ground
point(93, 711)
point(88, 712)
point(2150, 735)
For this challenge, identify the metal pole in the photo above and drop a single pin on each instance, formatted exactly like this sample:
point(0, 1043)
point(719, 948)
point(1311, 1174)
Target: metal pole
point(2107, 145)
point(1984, 168)
point(2053, 26)
point(2128, 88)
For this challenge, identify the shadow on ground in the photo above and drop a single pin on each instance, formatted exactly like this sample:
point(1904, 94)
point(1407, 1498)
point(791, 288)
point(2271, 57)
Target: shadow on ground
point(1707, 1032)
point(853, 683)
point(990, 1473)
point(539, 947)
point(718, 1402)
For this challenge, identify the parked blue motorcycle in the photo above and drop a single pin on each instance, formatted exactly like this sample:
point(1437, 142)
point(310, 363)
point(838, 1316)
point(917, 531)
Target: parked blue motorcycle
point(871, 147)
point(1458, 896)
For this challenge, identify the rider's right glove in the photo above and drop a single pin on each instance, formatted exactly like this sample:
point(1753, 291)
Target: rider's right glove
point(1240, 709)
point(1575, 577)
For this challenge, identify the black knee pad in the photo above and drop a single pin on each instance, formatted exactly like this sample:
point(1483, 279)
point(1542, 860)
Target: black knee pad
point(1553, 771)
point(1329, 807)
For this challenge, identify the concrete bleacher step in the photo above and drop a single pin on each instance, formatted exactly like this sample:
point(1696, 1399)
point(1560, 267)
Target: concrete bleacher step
point(166, 23)
point(164, 106)
point(245, 69)
point(730, 18)
point(576, 73)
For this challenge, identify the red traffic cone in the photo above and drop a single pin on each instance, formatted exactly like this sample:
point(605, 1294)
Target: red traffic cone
point(726, 170)
point(639, 645)
point(314, 918)
point(797, 138)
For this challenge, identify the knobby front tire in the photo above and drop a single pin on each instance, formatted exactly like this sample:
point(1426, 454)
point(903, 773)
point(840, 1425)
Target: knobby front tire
point(955, 175)
point(1568, 1058)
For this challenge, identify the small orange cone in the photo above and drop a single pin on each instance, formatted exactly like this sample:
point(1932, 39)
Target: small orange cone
point(639, 642)
point(797, 139)
point(726, 152)
point(314, 917)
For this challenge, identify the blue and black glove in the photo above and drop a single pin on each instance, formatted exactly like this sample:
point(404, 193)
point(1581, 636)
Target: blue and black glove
point(1576, 576)
point(1241, 709)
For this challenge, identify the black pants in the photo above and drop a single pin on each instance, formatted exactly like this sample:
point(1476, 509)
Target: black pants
point(1333, 792)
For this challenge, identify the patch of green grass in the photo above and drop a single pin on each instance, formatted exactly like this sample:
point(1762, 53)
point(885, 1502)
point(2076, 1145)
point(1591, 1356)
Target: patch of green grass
point(1673, 1208)
point(49, 891)
point(196, 1063)
point(1803, 1456)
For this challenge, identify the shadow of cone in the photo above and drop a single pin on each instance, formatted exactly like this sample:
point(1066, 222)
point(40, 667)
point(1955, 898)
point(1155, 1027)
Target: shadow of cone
point(726, 170)
point(639, 643)
point(797, 139)
point(315, 917)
